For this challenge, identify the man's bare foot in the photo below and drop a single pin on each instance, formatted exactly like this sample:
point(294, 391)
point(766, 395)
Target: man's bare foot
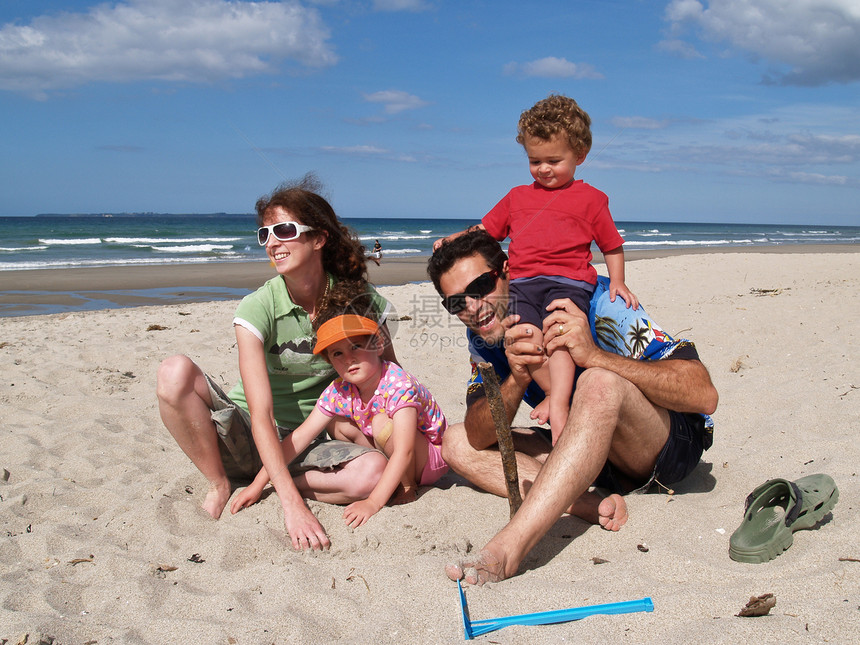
point(612, 512)
point(486, 567)
point(216, 499)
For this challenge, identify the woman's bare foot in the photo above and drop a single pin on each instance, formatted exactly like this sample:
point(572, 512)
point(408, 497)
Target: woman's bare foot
point(216, 499)
point(612, 512)
point(486, 567)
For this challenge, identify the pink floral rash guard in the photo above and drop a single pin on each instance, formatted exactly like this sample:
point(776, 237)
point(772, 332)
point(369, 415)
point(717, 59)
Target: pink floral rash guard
point(397, 389)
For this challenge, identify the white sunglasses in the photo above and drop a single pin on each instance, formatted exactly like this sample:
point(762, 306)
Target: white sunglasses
point(283, 231)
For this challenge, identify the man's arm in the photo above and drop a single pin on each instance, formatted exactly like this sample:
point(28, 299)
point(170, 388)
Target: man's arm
point(480, 427)
point(521, 352)
point(683, 385)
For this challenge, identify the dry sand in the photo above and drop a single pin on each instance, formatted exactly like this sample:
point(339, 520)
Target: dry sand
point(104, 542)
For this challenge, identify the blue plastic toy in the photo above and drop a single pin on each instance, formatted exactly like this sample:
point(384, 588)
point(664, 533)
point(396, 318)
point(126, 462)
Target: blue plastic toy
point(474, 628)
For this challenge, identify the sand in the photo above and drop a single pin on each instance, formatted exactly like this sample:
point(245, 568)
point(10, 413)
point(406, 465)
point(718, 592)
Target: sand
point(104, 542)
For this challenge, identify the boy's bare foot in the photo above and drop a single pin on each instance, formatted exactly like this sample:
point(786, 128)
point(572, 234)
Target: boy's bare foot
point(486, 567)
point(540, 413)
point(216, 499)
point(612, 512)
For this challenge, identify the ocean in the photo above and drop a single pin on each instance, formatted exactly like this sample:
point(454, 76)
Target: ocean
point(64, 241)
point(120, 239)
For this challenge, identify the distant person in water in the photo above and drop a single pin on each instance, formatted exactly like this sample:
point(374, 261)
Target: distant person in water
point(376, 255)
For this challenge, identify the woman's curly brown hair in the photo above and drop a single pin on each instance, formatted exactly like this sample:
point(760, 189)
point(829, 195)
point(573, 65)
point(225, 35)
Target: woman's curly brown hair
point(555, 115)
point(343, 254)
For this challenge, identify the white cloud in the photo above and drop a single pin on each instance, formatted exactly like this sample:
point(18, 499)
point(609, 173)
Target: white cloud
point(166, 40)
point(817, 40)
point(395, 101)
point(369, 151)
point(812, 144)
point(400, 5)
point(355, 150)
point(679, 48)
point(552, 67)
point(638, 123)
point(812, 178)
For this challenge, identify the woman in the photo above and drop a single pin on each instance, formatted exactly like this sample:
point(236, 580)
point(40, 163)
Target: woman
point(232, 437)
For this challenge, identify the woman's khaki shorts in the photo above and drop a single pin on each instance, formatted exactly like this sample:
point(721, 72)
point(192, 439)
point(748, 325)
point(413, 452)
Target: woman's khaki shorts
point(239, 452)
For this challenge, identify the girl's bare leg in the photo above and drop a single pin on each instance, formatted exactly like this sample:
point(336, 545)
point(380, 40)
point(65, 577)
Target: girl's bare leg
point(412, 476)
point(350, 482)
point(184, 403)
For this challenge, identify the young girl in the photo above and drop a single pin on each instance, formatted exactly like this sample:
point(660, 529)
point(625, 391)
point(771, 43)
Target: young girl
point(379, 405)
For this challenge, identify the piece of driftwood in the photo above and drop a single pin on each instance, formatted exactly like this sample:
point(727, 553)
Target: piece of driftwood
point(503, 432)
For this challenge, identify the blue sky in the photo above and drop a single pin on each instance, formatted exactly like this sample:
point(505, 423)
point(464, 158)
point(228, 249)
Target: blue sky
point(720, 111)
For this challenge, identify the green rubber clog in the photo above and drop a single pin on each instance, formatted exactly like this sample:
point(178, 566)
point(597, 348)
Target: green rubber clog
point(775, 510)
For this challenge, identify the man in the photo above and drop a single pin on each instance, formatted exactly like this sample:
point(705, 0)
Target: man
point(637, 415)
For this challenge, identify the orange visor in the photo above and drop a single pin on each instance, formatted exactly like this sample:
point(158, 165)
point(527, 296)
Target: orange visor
point(346, 326)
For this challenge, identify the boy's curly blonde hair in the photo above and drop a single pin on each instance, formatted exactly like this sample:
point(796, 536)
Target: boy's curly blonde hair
point(554, 115)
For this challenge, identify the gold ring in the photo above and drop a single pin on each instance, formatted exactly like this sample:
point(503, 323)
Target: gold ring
point(561, 330)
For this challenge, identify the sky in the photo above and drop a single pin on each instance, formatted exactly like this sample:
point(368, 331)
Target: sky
point(702, 111)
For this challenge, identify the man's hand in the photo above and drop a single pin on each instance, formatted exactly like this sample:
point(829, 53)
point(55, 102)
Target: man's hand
point(523, 354)
point(566, 327)
point(304, 528)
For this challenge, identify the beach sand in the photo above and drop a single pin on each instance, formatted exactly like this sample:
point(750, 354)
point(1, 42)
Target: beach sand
point(104, 541)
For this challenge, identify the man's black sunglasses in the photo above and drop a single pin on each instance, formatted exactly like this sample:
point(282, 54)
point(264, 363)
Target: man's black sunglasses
point(478, 288)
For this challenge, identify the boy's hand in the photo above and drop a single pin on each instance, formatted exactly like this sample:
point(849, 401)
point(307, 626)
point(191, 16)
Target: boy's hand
point(357, 513)
point(448, 238)
point(620, 289)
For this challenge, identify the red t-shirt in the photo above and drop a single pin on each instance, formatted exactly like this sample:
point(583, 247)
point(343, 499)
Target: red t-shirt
point(551, 230)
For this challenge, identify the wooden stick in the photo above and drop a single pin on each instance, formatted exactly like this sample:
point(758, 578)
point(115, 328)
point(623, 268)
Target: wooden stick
point(503, 432)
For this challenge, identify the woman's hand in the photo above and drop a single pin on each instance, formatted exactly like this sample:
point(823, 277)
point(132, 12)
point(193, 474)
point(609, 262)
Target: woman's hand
point(304, 528)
